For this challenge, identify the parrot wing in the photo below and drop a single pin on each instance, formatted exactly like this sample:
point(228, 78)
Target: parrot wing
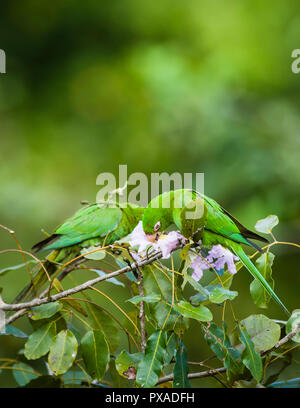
point(221, 222)
point(94, 221)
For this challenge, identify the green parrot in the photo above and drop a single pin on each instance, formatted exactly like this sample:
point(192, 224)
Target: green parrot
point(90, 226)
point(214, 225)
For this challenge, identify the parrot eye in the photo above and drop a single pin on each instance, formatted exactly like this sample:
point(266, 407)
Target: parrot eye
point(157, 226)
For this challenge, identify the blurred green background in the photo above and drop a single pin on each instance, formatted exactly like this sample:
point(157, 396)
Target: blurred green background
point(197, 86)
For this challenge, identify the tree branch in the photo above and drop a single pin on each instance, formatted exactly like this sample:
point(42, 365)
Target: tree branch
point(202, 374)
point(284, 340)
point(142, 304)
point(40, 301)
point(213, 372)
point(64, 273)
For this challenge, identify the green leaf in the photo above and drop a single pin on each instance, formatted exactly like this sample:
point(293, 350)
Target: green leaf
point(15, 267)
point(184, 253)
point(111, 280)
point(98, 319)
point(185, 264)
point(292, 323)
point(172, 342)
point(76, 305)
point(220, 344)
point(273, 371)
point(13, 331)
point(181, 369)
point(126, 364)
point(38, 344)
point(163, 314)
point(75, 377)
point(199, 298)
point(44, 311)
point(250, 357)
point(164, 317)
point(226, 278)
point(63, 352)
point(267, 224)
point(151, 365)
point(127, 324)
point(95, 256)
point(264, 265)
point(151, 298)
point(95, 352)
point(155, 281)
point(197, 286)
point(201, 313)
point(292, 383)
point(45, 381)
point(246, 384)
point(117, 380)
point(23, 373)
point(263, 332)
point(61, 318)
point(220, 294)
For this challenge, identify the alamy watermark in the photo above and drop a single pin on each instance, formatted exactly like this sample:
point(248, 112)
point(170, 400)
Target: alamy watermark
point(296, 63)
point(2, 62)
point(139, 190)
point(2, 321)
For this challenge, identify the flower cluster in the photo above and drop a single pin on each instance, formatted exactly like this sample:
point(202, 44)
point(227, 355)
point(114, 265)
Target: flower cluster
point(166, 243)
point(217, 257)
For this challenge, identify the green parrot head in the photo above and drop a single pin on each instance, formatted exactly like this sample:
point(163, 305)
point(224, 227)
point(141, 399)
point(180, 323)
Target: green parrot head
point(158, 216)
point(155, 222)
point(160, 213)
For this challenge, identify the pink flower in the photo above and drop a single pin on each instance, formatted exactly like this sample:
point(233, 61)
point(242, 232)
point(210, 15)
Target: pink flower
point(199, 265)
point(217, 257)
point(168, 243)
point(139, 239)
point(222, 256)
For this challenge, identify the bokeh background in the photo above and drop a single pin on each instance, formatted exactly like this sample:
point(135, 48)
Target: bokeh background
point(197, 86)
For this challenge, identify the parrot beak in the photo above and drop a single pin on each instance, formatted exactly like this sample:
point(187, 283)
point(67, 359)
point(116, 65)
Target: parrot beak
point(152, 237)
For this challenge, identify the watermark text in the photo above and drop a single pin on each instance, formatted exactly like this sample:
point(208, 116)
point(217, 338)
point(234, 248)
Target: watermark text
point(2, 62)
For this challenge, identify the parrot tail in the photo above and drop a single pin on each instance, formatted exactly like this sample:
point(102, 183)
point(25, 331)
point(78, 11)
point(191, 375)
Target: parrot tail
point(42, 245)
point(39, 279)
point(238, 250)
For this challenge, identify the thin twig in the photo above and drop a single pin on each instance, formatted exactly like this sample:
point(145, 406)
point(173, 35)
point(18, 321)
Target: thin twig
point(284, 339)
point(110, 314)
point(68, 269)
point(142, 311)
point(213, 372)
point(202, 374)
point(14, 235)
point(142, 303)
point(79, 288)
point(29, 254)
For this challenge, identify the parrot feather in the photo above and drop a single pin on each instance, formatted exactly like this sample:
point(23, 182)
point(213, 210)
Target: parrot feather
point(88, 226)
point(220, 228)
